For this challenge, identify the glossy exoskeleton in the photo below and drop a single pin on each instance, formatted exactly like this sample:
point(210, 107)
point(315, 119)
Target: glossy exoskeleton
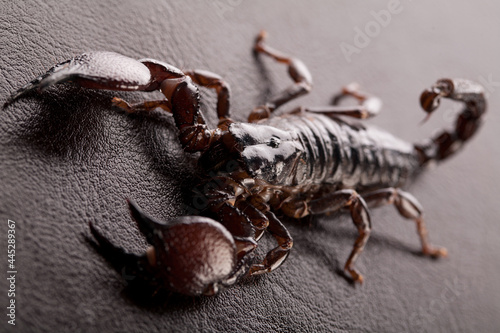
point(306, 161)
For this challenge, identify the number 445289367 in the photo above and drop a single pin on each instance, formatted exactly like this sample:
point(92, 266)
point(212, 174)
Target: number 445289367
point(11, 247)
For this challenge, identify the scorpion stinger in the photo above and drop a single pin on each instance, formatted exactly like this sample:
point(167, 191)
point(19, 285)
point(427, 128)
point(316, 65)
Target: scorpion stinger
point(305, 161)
point(471, 94)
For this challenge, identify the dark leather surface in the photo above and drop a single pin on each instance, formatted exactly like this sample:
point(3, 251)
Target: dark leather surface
point(67, 158)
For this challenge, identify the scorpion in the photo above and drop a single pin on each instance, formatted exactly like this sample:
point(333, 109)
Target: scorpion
point(307, 161)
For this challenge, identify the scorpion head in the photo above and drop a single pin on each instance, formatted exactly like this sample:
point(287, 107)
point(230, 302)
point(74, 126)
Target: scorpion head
point(267, 152)
point(192, 255)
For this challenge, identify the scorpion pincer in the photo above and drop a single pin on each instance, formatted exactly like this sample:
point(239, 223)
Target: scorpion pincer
point(306, 161)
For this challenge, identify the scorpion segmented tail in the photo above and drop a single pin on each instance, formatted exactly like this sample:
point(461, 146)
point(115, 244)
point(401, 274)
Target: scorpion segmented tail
point(448, 142)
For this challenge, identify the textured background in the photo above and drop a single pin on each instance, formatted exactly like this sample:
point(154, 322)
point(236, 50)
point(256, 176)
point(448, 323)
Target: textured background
point(67, 158)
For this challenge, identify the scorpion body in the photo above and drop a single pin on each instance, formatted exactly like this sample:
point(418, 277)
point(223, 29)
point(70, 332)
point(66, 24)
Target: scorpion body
point(324, 151)
point(306, 161)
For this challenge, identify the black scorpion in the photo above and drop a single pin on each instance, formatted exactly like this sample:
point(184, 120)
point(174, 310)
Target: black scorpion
point(307, 161)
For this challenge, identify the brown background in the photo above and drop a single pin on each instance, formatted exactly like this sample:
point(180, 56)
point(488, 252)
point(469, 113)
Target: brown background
point(67, 158)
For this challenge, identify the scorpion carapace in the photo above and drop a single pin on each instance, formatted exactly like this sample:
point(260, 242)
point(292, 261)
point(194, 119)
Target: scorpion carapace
point(306, 161)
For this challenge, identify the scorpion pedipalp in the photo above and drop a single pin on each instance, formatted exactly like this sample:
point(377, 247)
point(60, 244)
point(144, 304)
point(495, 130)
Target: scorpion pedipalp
point(99, 70)
point(192, 255)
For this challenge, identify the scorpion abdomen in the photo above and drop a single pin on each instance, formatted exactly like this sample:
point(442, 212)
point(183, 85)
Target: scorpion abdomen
point(312, 149)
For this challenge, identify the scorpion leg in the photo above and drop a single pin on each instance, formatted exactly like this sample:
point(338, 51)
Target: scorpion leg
point(244, 233)
point(220, 198)
point(369, 105)
point(408, 206)
point(213, 81)
point(359, 212)
point(257, 218)
point(244, 220)
point(276, 256)
point(236, 222)
point(297, 71)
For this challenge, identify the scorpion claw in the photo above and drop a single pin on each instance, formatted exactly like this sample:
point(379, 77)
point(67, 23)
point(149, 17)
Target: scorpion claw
point(192, 255)
point(97, 70)
point(146, 225)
